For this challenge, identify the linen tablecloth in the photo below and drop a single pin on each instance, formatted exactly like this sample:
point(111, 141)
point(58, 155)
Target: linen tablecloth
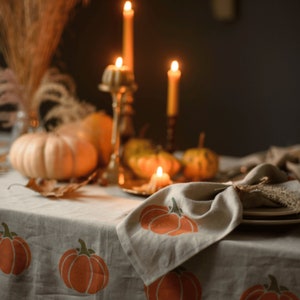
point(51, 227)
point(225, 270)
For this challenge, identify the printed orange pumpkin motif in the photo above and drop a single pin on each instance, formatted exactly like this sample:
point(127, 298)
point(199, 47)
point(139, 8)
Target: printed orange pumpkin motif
point(83, 270)
point(15, 254)
point(271, 292)
point(167, 220)
point(178, 284)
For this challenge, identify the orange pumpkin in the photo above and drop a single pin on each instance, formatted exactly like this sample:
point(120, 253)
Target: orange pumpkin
point(271, 292)
point(144, 165)
point(15, 254)
point(95, 128)
point(52, 156)
point(163, 220)
point(178, 284)
point(83, 270)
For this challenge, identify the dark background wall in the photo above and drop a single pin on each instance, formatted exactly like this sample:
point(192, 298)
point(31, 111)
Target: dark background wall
point(240, 81)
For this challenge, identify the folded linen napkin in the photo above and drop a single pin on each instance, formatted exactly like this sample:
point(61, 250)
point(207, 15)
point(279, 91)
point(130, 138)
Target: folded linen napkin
point(182, 219)
point(285, 158)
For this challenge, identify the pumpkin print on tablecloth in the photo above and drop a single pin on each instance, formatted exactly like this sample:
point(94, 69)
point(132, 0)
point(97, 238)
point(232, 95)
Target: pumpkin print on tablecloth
point(178, 284)
point(83, 270)
point(271, 292)
point(167, 220)
point(15, 254)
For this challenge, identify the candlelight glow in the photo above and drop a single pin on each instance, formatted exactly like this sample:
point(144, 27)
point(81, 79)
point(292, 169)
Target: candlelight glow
point(121, 180)
point(174, 66)
point(119, 62)
point(159, 172)
point(127, 6)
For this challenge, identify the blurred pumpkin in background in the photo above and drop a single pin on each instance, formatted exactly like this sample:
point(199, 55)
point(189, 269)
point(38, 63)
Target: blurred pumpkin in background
point(145, 164)
point(136, 146)
point(96, 128)
point(200, 163)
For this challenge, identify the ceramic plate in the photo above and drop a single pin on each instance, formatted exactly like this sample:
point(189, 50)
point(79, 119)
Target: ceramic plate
point(271, 222)
point(268, 212)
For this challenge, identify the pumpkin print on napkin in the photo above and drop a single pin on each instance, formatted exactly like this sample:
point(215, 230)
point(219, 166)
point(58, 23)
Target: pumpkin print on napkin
point(83, 270)
point(268, 292)
point(178, 284)
point(167, 220)
point(15, 254)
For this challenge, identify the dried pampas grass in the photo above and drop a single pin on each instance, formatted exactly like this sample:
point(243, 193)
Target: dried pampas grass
point(60, 89)
point(30, 31)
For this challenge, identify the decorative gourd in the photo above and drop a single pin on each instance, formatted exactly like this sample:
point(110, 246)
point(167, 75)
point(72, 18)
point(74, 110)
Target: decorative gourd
point(167, 220)
point(178, 284)
point(15, 254)
point(145, 164)
point(52, 156)
point(95, 128)
point(83, 270)
point(136, 146)
point(200, 163)
point(271, 292)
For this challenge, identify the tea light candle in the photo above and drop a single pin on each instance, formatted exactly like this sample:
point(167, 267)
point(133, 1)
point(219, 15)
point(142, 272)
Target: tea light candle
point(128, 14)
point(159, 180)
point(174, 75)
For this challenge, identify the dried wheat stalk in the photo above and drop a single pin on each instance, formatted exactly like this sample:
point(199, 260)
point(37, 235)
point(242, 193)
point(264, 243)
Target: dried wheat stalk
point(30, 31)
point(273, 192)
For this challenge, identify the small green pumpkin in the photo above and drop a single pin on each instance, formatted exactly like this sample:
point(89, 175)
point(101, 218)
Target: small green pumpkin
point(136, 146)
point(200, 163)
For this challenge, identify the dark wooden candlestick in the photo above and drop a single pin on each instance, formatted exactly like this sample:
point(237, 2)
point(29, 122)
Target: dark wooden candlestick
point(171, 124)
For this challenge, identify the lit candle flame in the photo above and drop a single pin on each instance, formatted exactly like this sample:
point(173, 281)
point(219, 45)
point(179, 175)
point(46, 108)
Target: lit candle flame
point(127, 6)
point(121, 180)
point(159, 171)
point(119, 62)
point(174, 66)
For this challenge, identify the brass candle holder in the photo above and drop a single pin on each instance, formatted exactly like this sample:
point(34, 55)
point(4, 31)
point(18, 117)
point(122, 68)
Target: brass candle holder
point(117, 81)
point(127, 130)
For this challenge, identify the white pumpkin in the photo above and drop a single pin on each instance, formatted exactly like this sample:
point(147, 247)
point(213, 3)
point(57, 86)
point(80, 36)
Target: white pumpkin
point(52, 156)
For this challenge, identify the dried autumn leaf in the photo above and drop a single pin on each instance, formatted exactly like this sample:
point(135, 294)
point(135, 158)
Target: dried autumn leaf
point(41, 185)
point(49, 188)
point(3, 157)
point(3, 165)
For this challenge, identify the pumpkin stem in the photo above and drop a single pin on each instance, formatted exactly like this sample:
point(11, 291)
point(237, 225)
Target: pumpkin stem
point(174, 208)
point(158, 149)
point(7, 232)
point(273, 284)
point(201, 140)
point(179, 270)
point(83, 249)
point(143, 130)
